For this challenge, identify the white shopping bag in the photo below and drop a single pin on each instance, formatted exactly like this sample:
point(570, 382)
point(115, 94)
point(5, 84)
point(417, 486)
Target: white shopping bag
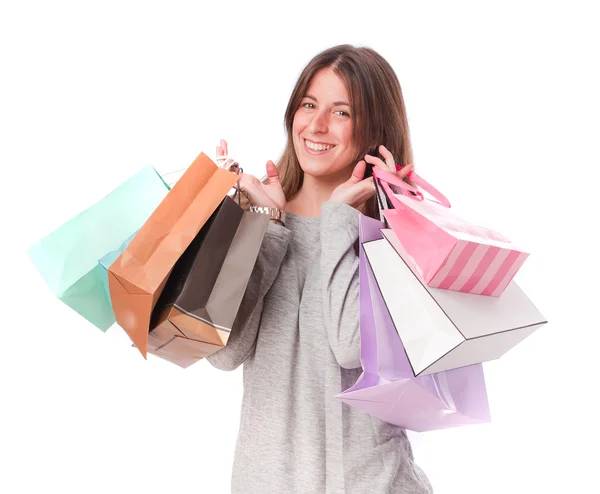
point(444, 329)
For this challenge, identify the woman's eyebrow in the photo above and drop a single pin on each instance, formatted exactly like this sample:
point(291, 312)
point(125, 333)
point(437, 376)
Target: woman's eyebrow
point(335, 103)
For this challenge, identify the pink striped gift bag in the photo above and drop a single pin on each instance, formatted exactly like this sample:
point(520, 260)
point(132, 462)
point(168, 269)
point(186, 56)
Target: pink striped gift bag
point(446, 251)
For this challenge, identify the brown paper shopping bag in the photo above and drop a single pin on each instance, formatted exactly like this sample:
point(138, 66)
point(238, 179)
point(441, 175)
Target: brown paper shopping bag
point(195, 313)
point(138, 276)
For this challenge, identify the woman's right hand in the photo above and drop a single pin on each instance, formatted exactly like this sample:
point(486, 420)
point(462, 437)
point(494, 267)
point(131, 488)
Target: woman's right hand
point(268, 194)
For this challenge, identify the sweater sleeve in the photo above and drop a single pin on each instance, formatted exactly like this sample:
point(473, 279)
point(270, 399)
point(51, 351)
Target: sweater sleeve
point(245, 327)
point(339, 281)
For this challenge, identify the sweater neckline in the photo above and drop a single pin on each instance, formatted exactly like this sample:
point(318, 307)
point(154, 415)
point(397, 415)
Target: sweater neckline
point(306, 219)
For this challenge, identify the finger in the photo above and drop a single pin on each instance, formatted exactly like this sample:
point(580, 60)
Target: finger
point(221, 162)
point(389, 159)
point(224, 163)
point(358, 173)
point(405, 171)
point(272, 173)
point(377, 162)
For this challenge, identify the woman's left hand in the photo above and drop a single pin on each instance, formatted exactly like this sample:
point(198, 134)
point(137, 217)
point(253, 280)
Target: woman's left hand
point(357, 189)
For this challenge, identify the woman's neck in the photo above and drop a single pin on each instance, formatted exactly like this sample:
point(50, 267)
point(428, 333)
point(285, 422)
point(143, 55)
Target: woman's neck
point(314, 192)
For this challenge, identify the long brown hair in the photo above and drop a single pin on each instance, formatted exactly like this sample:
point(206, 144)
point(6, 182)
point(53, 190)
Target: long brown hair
point(377, 105)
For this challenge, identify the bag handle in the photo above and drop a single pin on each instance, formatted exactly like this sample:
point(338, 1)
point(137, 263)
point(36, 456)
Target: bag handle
point(391, 198)
point(238, 170)
point(393, 179)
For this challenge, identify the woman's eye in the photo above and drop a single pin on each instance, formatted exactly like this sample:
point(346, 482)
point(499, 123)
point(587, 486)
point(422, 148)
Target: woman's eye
point(310, 106)
point(343, 113)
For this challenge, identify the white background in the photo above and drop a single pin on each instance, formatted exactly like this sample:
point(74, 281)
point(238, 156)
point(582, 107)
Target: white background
point(504, 112)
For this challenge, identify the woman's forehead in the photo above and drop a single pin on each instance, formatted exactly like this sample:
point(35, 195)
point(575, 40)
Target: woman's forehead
point(327, 86)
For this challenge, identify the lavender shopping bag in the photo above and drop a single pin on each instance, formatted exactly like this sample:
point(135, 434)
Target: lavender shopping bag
point(387, 388)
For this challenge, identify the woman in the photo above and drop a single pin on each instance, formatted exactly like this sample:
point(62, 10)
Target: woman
point(297, 331)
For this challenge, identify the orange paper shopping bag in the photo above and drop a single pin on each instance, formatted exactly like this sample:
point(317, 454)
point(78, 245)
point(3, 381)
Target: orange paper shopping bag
point(138, 276)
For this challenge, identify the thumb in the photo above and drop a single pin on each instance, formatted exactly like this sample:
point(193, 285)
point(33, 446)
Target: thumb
point(272, 173)
point(358, 173)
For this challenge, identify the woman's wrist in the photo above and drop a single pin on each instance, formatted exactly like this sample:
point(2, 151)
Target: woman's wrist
point(276, 215)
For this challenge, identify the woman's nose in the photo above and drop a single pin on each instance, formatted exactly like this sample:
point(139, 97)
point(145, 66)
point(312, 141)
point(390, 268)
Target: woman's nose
point(319, 123)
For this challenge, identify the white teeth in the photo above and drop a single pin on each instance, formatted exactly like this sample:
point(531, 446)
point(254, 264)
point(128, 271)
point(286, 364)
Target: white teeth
point(318, 147)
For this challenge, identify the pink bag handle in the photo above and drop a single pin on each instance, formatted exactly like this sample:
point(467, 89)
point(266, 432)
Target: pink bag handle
point(393, 179)
point(396, 203)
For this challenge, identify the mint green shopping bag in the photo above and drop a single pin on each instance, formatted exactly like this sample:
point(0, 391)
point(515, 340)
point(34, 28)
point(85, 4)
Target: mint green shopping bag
point(68, 257)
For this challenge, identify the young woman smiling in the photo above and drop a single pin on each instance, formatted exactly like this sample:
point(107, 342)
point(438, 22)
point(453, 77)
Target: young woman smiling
point(297, 331)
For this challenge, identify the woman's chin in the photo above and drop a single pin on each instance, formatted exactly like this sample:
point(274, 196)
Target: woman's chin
point(327, 174)
point(318, 169)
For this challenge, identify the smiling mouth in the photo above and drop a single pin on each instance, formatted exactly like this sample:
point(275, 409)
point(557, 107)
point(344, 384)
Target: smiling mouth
point(317, 148)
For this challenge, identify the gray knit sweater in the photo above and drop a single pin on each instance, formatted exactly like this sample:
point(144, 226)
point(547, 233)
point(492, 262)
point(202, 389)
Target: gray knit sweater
point(297, 334)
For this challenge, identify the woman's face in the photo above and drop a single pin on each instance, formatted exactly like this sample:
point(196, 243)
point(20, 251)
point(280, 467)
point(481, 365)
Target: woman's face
point(322, 128)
